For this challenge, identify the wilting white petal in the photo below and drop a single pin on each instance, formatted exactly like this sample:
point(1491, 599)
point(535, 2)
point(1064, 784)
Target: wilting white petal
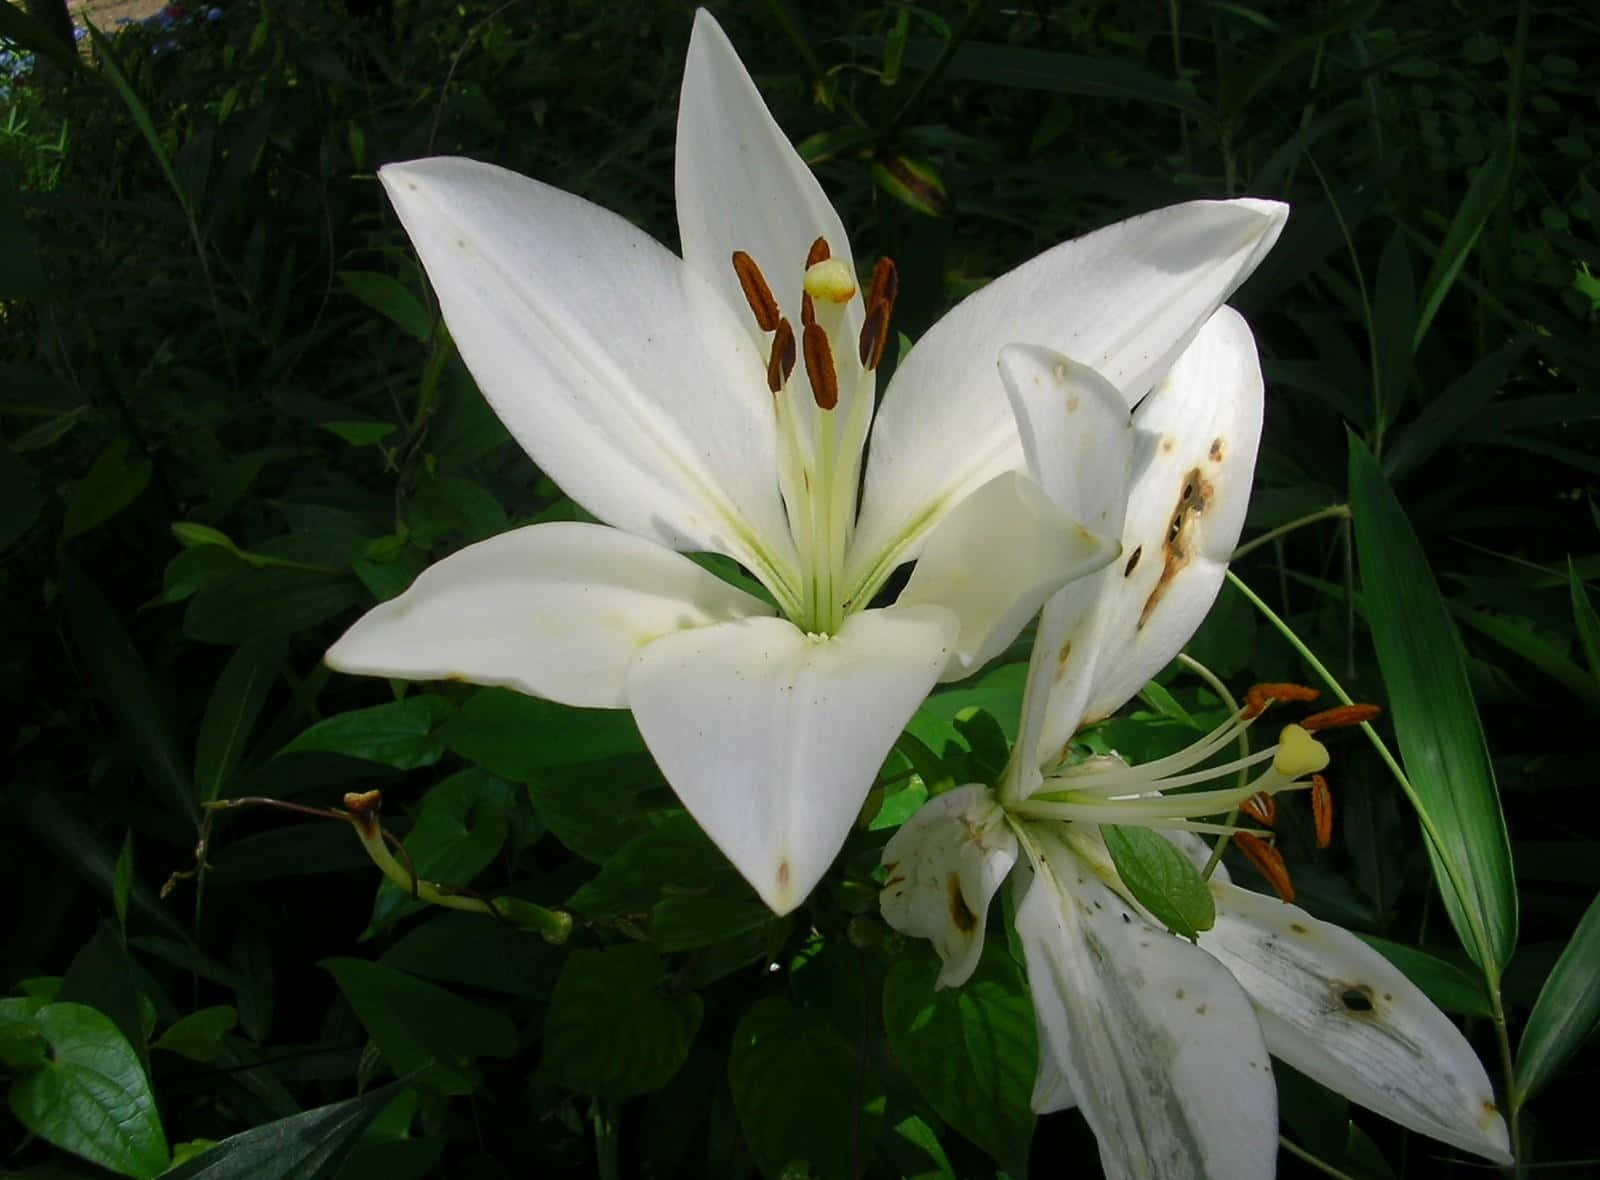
point(1341, 1013)
point(1124, 301)
point(1051, 1090)
point(995, 559)
point(555, 610)
point(1194, 458)
point(610, 362)
point(772, 737)
point(741, 186)
point(1156, 1040)
point(943, 867)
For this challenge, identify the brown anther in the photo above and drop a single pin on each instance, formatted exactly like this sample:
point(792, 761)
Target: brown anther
point(819, 252)
point(1262, 808)
point(1268, 861)
point(756, 292)
point(874, 334)
point(780, 363)
point(885, 283)
point(1322, 810)
point(819, 365)
point(362, 802)
point(1340, 717)
point(1262, 695)
point(808, 309)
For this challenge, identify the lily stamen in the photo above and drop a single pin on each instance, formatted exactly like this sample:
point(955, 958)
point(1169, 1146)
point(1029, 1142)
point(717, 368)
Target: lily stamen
point(1340, 717)
point(819, 366)
point(1261, 696)
point(780, 363)
point(1322, 810)
point(1268, 861)
point(763, 304)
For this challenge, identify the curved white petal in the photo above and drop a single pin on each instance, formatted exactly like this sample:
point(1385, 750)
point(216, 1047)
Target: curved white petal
point(1194, 459)
point(741, 186)
point(995, 559)
point(771, 737)
point(1124, 300)
point(1341, 1013)
point(943, 867)
point(611, 363)
point(1157, 1042)
point(1077, 438)
point(555, 610)
point(1051, 1090)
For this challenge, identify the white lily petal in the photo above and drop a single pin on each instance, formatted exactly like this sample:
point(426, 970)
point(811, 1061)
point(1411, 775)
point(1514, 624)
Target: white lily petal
point(554, 610)
point(1155, 1039)
point(610, 361)
point(741, 186)
point(943, 868)
point(995, 559)
point(771, 737)
point(1051, 1090)
point(1341, 1013)
point(1195, 453)
point(1077, 438)
point(1124, 300)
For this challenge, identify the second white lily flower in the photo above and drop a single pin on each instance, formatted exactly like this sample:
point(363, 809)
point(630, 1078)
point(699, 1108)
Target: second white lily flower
point(722, 402)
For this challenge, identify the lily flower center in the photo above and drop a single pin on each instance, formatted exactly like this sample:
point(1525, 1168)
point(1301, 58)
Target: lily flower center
point(821, 436)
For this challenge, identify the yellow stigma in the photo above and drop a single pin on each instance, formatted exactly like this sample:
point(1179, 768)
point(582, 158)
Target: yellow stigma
point(1298, 753)
point(830, 279)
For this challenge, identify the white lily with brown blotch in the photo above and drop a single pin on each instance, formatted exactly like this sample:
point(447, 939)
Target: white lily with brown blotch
point(1163, 1044)
point(722, 402)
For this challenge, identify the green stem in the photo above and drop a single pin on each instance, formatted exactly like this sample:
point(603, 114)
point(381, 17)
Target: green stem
point(607, 1145)
point(1332, 512)
point(975, 12)
point(1320, 1164)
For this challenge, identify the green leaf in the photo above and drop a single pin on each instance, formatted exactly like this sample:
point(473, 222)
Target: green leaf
point(1585, 621)
point(1443, 982)
point(402, 734)
point(256, 603)
point(418, 1025)
point(112, 482)
point(1441, 739)
point(17, 26)
point(20, 498)
point(231, 713)
point(1161, 879)
point(307, 1146)
point(597, 808)
point(21, 1045)
point(459, 829)
point(91, 1097)
point(361, 434)
point(971, 1050)
point(198, 1036)
point(1518, 638)
point(796, 1090)
point(1393, 313)
point(613, 1029)
point(1483, 194)
point(1567, 1011)
point(517, 736)
point(675, 856)
point(122, 882)
point(111, 70)
point(915, 183)
point(391, 298)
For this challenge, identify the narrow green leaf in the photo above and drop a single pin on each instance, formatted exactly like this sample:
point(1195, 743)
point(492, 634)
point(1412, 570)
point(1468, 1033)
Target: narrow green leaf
point(1585, 621)
point(361, 434)
point(971, 1050)
point(1567, 1011)
point(391, 298)
point(1161, 879)
point(111, 69)
point(1394, 311)
point(1453, 410)
point(613, 1028)
point(112, 482)
point(402, 734)
point(122, 882)
point(1436, 720)
point(91, 1097)
point(307, 1146)
point(1483, 194)
point(1538, 651)
point(231, 713)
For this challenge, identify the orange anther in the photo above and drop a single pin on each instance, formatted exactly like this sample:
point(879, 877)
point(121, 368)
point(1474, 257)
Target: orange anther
point(756, 292)
point(808, 310)
point(1262, 695)
point(1340, 717)
point(781, 362)
point(819, 252)
point(1322, 810)
point(874, 334)
point(885, 283)
point(1268, 861)
point(1262, 808)
point(819, 366)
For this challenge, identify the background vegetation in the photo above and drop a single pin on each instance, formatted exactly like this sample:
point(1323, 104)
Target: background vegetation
point(230, 420)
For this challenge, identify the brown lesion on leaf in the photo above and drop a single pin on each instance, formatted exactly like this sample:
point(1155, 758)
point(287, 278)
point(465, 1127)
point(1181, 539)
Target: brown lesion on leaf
point(1194, 497)
point(960, 913)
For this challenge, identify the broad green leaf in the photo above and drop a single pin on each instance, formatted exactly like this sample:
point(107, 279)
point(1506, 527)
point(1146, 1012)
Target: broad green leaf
point(390, 298)
point(256, 603)
point(192, 570)
point(517, 736)
point(103, 976)
point(596, 808)
point(1483, 194)
point(474, 950)
point(1443, 982)
point(91, 1097)
point(614, 1027)
point(198, 1036)
point(402, 734)
point(307, 1146)
point(1567, 1011)
point(22, 1046)
point(361, 434)
point(1161, 879)
point(797, 1091)
point(1436, 720)
point(112, 482)
point(231, 712)
point(675, 856)
point(459, 829)
point(418, 1025)
point(971, 1051)
point(686, 921)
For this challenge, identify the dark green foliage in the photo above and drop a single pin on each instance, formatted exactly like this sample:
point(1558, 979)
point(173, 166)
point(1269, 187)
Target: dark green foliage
point(230, 420)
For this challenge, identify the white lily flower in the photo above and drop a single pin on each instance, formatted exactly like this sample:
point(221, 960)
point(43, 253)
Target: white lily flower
point(722, 402)
point(1162, 1043)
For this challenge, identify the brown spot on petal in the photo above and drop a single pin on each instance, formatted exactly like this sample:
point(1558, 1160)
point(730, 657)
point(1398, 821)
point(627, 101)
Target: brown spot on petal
point(1194, 497)
point(1133, 560)
point(960, 913)
point(1216, 450)
point(783, 874)
point(1062, 657)
point(1356, 999)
